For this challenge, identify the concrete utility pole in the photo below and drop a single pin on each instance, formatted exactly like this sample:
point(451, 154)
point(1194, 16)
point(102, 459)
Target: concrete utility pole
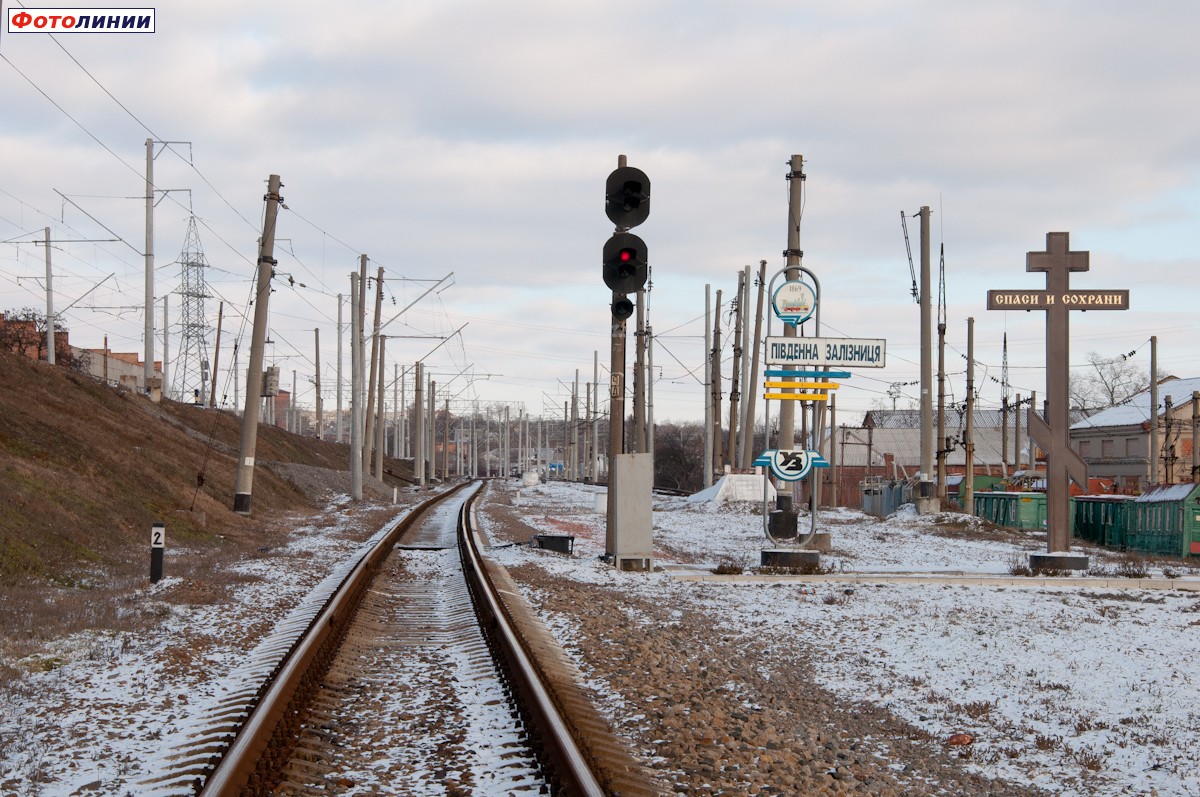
point(356, 380)
point(381, 414)
point(794, 256)
point(835, 466)
point(616, 398)
point(1169, 440)
point(708, 406)
point(927, 501)
point(715, 370)
point(1152, 476)
point(942, 443)
point(49, 304)
point(968, 489)
point(340, 332)
point(639, 377)
point(446, 441)
point(243, 488)
point(649, 389)
point(731, 447)
point(212, 402)
point(369, 437)
point(361, 364)
point(576, 458)
point(751, 387)
point(418, 423)
point(148, 371)
point(317, 382)
point(1017, 437)
point(431, 432)
point(735, 454)
point(165, 383)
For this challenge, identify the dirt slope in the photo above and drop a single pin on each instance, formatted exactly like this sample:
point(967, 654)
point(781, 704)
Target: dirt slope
point(86, 469)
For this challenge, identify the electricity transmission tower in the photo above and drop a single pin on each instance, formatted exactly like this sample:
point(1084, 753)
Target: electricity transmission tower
point(191, 366)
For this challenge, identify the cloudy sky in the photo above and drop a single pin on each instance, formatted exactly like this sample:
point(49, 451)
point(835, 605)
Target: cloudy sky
point(471, 138)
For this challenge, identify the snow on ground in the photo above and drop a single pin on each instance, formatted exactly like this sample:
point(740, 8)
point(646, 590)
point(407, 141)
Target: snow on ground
point(99, 719)
point(1079, 690)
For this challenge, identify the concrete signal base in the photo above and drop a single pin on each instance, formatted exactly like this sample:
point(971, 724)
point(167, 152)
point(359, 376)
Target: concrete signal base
point(1057, 561)
point(790, 557)
point(820, 541)
point(928, 505)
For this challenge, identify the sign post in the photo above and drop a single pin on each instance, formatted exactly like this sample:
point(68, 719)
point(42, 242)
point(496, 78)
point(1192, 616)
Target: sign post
point(1050, 434)
point(158, 544)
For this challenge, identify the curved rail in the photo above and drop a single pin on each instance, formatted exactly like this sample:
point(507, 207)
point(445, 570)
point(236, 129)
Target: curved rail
point(566, 761)
point(260, 740)
point(576, 747)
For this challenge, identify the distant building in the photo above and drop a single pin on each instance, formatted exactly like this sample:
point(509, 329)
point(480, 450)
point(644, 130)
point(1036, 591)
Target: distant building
point(1115, 443)
point(123, 368)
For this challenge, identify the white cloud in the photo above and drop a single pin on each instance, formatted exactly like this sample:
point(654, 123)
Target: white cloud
point(475, 138)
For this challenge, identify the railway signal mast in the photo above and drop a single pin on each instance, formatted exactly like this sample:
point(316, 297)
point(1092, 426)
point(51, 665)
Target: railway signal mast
point(625, 263)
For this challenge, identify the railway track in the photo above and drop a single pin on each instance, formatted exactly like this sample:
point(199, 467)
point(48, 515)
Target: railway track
point(413, 669)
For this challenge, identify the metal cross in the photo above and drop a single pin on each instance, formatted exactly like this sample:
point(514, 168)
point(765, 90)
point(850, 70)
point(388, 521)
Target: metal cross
point(1058, 261)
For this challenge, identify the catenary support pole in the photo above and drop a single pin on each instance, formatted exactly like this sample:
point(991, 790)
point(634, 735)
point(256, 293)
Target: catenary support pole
point(708, 406)
point(639, 377)
point(1152, 475)
point(751, 387)
point(356, 409)
point(166, 391)
point(794, 258)
point(418, 423)
point(212, 401)
point(369, 436)
point(715, 371)
point(317, 383)
point(941, 410)
point(968, 488)
point(381, 413)
point(49, 304)
point(243, 488)
point(928, 502)
point(731, 446)
point(340, 424)
point(148, 371)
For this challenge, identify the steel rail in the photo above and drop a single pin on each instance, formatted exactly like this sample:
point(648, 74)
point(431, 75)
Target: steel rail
point(239, 770)
point(567, 762)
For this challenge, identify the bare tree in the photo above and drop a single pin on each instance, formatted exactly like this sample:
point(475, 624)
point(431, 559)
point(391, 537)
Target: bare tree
point(678, 456)
point(1107, 382)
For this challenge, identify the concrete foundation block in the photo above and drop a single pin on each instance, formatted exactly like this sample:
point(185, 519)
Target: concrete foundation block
point(790, 557)
point(1057, 561)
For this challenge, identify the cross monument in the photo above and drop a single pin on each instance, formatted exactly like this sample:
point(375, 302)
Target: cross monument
point(1050, 434)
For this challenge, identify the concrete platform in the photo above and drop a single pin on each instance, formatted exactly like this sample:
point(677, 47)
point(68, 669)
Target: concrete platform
point(1187, 584)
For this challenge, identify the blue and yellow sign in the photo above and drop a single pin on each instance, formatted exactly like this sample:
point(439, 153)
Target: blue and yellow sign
point(791, 466)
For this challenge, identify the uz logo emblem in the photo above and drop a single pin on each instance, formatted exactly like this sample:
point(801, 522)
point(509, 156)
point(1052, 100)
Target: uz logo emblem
point(791, 466)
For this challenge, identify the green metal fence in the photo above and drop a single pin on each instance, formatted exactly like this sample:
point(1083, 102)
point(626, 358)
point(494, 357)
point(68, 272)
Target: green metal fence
point(1016, 510)
point(1102, 519)
point(1165, 520)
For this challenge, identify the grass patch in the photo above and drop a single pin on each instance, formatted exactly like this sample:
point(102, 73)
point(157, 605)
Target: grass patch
point(1131, 567)
point(808, 569)
point(728, 567)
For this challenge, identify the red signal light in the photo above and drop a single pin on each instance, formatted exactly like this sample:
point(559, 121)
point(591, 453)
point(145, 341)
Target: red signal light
point(626, 255)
